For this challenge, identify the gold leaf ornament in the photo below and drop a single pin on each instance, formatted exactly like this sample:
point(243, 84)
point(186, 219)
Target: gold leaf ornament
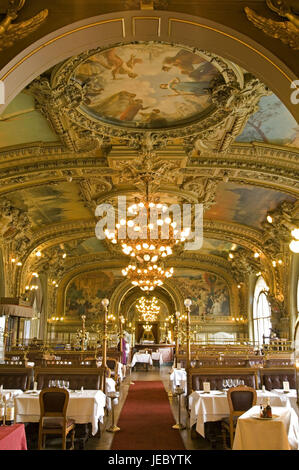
point(286, 31)
point(11, 32)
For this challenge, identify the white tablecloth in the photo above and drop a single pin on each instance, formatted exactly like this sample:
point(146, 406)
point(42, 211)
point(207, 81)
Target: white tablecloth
point(156, 356)
point(290, 398)
point(143, 358)
point(178, 377)
point(213, 406)
point(13, 391)
point(85, 406)
point(281, 433)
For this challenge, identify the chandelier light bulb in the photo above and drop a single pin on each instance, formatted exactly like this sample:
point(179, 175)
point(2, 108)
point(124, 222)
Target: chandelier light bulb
point(295, 233)
point(294, 246)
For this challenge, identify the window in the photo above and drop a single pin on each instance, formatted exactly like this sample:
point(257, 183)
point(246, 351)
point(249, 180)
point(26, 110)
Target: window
point(261, 312)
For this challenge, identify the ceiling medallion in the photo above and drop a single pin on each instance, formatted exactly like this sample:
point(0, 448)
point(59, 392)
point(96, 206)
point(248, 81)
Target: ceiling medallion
point(153, 87)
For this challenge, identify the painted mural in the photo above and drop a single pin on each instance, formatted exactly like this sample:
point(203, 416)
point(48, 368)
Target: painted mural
point(152, 86)
point(245, 204)
point(272, 123)
point(216, 247)
point(208, 292)
point(22, 123)
point(51, 203)
point(86, 292)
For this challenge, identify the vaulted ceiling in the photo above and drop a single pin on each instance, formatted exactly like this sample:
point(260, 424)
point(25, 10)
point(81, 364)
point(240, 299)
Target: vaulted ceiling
point(83, 131)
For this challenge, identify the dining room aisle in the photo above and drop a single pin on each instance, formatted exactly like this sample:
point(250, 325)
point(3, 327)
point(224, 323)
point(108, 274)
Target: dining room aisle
point(146, 420)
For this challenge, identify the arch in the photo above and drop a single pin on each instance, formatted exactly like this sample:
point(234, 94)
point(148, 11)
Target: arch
point(120, 293)
point(163, 26)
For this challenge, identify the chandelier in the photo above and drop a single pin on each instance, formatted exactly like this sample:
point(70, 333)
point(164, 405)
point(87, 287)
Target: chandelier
point(149, 237)
point(148, 309)
point(147, 327)
point(147, 277)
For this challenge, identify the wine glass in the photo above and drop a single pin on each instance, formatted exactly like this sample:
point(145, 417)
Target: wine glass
point(229, 383)
point(224, 384)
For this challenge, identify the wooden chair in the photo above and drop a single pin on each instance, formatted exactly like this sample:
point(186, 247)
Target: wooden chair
point(112, 364)
point(240, 399)
point(53, 420)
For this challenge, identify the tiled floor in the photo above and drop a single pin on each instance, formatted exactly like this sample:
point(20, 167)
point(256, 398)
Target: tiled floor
point(104, 442)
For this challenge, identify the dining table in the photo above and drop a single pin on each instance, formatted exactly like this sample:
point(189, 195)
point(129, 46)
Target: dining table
point(85, 406)
point(213, 406)
point(290, 397)
point(144, 358)
point(281, 432)
point(11, 391)
point(13, 437)
point(157, 356)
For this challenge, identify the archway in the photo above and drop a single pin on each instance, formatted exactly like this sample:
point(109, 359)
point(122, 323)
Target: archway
point(125, 27)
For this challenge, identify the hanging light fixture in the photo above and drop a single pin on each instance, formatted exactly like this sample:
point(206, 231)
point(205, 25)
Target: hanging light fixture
point(151, 236)
point(148, 276)
point(148, 309)
point(150, 233)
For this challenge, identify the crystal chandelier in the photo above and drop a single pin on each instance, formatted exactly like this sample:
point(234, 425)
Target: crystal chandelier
point(148, 309)
point(147, 327)
point(148, 276)
point(149, 237)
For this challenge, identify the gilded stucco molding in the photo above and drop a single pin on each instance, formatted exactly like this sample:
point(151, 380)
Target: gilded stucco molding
point(11, 32)
point(286, 30)
point(257, 164)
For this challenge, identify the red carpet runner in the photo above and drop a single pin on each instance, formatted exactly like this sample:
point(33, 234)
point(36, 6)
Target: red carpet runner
point(146, 420)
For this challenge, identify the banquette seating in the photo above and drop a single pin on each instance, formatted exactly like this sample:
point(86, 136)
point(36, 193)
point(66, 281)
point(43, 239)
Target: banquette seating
point(16, 377)
point(91, 378)
point(215, 376)
point(274, 377)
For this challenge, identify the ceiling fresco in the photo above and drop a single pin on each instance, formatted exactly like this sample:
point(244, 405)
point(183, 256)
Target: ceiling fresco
point(51, 204)
point(272, 123)
point(146, 86)
point(21, 123)
point(244, 204)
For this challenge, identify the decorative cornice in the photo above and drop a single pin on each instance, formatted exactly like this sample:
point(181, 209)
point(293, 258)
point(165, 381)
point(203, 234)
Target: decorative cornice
point(258, 164)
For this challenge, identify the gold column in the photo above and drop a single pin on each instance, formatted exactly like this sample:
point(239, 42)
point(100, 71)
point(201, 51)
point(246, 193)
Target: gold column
point(188, 303)
point(121, 335)
point(83, 331)
point(105, 303)
point(177, 325)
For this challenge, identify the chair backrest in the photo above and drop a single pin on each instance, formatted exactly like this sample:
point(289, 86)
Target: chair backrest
point(241, 399)
point(111, 363)
point(53, 401)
